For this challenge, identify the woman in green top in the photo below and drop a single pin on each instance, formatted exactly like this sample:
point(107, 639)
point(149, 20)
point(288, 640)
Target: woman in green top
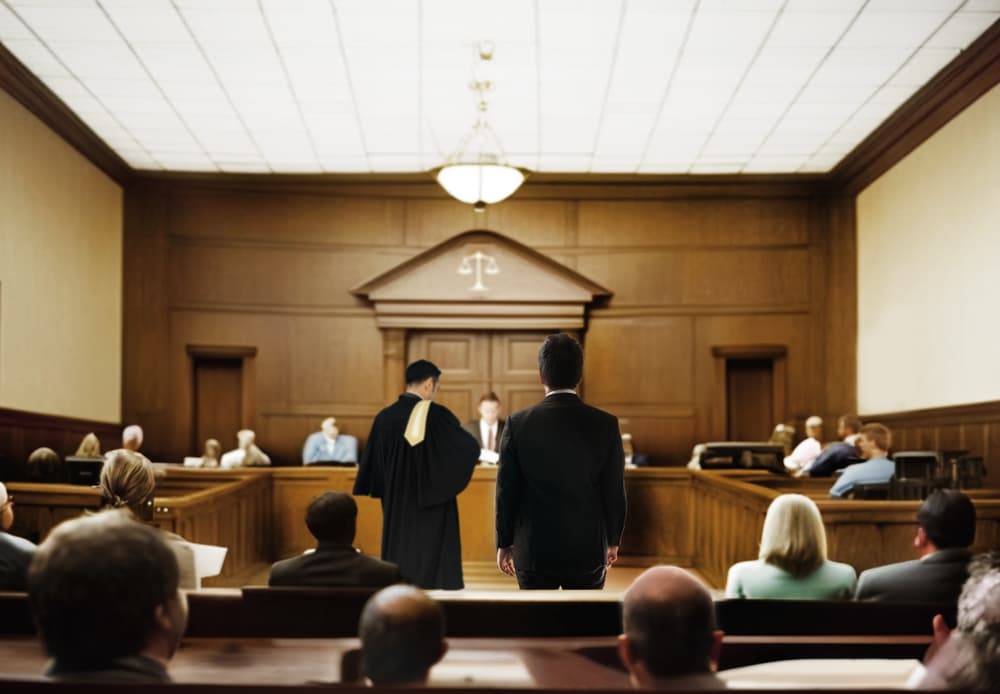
point(792, 562)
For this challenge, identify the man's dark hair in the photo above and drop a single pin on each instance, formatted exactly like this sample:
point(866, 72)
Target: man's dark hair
point(402, 635)
point(332, 517)
point(672, 638)
point(560, 361)
point(850, 421)
point(489, 397)
point(948, 518)
point(44, 466)
point(420, 370)
point(95, 584)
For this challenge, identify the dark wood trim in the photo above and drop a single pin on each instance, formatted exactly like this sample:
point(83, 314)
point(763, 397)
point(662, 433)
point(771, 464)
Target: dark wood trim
point(974, 72)
point(419, 186)
point(220, 351)
point(750, 351)
point(21, 83)
point(952, 414)
point(22, 432)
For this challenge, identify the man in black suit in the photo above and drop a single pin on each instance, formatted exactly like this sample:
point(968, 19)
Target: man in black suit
point(332, 518)
point(488, 428)
point(947, 526)
point(560, 486)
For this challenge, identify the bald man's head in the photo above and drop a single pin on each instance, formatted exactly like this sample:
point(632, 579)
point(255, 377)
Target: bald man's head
point(402, 635)
point(669, 623)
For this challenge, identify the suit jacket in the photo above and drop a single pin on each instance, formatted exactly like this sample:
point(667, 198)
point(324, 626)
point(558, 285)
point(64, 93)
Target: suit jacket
point(345, 449)
point(15, 556)
point(472, 427)
point(937, 577)
point(560, 486)
point(335, 566)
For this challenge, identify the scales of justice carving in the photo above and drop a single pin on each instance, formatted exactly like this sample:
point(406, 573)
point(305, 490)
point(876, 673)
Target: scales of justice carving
point(478, 264)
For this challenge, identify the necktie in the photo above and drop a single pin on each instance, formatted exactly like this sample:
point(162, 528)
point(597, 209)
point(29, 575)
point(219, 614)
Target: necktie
point(492, 445)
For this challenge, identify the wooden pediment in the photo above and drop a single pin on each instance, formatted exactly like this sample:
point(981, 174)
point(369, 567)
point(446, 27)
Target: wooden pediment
point(481, 280)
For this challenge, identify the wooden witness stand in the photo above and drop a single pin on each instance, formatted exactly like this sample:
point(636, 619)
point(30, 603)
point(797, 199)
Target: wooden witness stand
point(702, 520)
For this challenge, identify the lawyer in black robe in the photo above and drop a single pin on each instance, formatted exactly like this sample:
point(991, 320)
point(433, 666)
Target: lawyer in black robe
point(418, 485)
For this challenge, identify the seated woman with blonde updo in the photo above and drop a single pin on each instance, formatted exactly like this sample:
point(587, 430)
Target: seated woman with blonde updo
point(792, 563)
point(90, 447)
point(128, 481)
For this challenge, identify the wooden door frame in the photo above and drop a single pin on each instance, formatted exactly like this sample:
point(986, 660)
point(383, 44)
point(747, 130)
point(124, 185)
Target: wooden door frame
point(778, 354)
point(247, 357)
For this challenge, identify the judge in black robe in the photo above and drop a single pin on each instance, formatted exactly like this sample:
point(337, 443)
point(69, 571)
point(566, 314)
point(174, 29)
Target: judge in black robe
point(417, 460)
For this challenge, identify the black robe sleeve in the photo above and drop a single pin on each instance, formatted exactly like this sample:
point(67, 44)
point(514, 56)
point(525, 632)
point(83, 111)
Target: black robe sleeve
point(510, 485)
point(370, 478)
point(451, 454)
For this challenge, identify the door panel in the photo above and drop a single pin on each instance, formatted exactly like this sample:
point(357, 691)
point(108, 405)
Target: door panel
point(218, 401)
point(749, 399)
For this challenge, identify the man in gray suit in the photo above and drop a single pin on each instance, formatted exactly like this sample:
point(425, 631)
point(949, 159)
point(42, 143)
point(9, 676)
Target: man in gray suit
point(947, 526)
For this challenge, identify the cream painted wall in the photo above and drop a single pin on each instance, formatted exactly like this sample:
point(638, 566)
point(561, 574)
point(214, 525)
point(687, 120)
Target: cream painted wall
point(60, 275)
point(929, 271)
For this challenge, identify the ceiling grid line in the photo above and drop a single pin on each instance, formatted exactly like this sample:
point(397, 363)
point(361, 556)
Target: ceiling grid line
point(159, 87)
point(291, 83)
point(670, 84)
point(805, 84)
point(887, 81)
point(222, 86)
point(73, 74)
point(732, 95)
point(350, 84)
point(607, 85)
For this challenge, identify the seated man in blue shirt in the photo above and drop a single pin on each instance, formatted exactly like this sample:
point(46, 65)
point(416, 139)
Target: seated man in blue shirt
point(873, 443)
point(330, 446)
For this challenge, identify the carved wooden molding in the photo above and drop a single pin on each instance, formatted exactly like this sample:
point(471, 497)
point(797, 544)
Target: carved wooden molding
point(481, 280)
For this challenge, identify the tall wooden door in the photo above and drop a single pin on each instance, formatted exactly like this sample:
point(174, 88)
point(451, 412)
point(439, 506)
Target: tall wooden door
point(474, 363)
point(218, 401)
point(749, 399)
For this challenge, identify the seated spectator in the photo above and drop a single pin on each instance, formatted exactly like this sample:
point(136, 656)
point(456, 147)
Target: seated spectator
point(669, 640)
point(838, 454)
point(45, 466)
point(402, 636)
point(132, 437)
point(115, 619)
point(247, 454)
point(15, 552)
point(946, 526)
point(332, 518)
point(968, 658)
point(89, 447)
point(873, 444)
point(792, 563)
point(329, 445)
point(783, 435)
point(212, 454)
point(809, 448)
point(128, 482)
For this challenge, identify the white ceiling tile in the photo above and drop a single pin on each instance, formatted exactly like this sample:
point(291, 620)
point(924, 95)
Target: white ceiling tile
point(564, 163)
point(981, 6)
point(708, 169)
point(809, 29)
point(623, 134)
point(926, 63)
point(680, 166)
point(84, 23)
point(774, 164)
point(107, 60)
point(824, 5)
point(242, 167)
point(37, 58)
point(391, 163)
point(144, 24)
point(346, 164)
point(880, 29)
point(12, 28)
point(216, 25)
point(962, 29)
point(913, 5)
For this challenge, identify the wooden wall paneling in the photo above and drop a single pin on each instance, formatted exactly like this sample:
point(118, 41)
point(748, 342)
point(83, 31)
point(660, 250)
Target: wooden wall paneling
point(693, 222)
point(393, 363)
point(23, 432)
point(464, 360)
point(840, 306)
point(534, 222)
point(41, 507)
point(974, 427)
point(146, 348)
point(659, 525)
point(297, 219)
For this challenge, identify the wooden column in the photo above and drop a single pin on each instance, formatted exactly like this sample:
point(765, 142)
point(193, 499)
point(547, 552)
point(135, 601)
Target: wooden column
point(393, 362)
